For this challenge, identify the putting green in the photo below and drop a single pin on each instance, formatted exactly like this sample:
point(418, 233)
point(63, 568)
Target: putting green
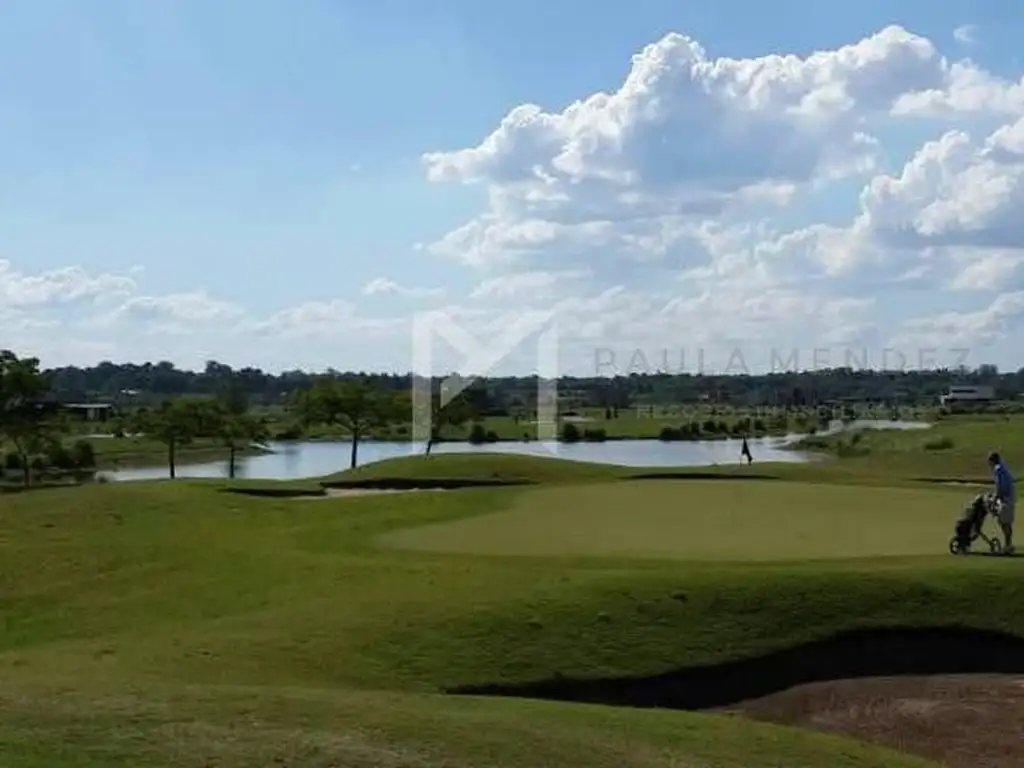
point(703, 520)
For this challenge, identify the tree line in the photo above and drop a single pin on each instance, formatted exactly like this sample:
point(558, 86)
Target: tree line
point(153, 382)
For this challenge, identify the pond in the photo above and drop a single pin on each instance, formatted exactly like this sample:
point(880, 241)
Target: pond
point(299, 460)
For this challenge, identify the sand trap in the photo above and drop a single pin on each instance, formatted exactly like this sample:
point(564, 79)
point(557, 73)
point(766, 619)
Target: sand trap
point(963, 721)
point(344, 493)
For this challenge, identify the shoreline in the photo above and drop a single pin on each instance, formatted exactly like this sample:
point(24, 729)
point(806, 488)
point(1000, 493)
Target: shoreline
point(145, 459)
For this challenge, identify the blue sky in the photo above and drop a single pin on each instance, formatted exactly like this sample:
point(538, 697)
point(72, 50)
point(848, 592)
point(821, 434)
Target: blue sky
point(269, 154)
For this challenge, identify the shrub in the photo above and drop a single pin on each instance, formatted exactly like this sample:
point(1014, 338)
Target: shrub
point(570, 432)
point(670, 434)
point(59, 457)
point(12, 461)
point(292, 432)
point(83, 456)
point(939, 444)
point(477, 434)
point(597, 435)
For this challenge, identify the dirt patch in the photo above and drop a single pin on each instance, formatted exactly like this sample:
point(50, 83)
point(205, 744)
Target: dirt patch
point(344, 493)
point(963, 721)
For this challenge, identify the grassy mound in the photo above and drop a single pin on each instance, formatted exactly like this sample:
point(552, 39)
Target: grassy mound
point(495, 467)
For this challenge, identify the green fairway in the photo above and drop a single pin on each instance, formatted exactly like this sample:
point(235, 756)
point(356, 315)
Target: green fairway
point(231, 728)
point(173, 624)
point(703, 520)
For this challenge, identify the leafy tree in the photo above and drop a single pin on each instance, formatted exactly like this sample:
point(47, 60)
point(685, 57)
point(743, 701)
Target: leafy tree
point(236, 427)
point(23, 417)
point(443, 410)
point(174, 423)
point(355, 406)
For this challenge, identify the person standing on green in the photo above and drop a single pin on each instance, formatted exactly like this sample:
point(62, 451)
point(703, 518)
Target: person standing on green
point(1006, 496)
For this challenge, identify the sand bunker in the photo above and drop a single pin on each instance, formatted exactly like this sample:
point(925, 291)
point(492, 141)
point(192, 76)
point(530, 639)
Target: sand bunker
point(344, 493)
point(963, 721)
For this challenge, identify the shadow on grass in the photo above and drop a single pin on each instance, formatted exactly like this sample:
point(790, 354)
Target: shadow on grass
point(684, 475)
point(966, 481)
point(426, 483)
point(380, 484)
point(879, 652)
point(278, 493)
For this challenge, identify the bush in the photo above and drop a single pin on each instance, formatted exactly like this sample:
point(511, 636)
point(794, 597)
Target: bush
point(670, 434)
point(597, 435)
point(939, 444)
point(689, 431)
point(478, 435)
point(292, 432)
point(59, 457)
point(83, 456)
point(12, 461)
point(570, 432)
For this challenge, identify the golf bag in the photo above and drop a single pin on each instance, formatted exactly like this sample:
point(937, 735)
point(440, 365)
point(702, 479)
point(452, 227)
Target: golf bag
point(970, 526)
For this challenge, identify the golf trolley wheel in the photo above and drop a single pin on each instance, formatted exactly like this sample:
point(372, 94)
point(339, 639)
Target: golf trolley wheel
point(996, 546)
point(954, 546)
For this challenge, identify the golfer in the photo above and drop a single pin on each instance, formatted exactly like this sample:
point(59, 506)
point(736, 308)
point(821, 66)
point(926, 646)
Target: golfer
point(745, 451)
point(1006, 496)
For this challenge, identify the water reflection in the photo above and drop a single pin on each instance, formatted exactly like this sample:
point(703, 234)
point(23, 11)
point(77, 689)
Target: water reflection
point(297, 460)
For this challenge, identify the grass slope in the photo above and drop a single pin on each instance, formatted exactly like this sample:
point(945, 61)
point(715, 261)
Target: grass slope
point(170, 624)
point(235, 728)
point(954, 447)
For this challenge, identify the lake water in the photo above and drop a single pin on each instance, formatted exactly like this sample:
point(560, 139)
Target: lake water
point(298, 460)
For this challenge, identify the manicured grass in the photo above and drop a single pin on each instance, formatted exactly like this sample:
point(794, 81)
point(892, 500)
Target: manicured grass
point(232, 728)
point(704, 520)
point(470, 466)
point(955, 446)
point(172, 624)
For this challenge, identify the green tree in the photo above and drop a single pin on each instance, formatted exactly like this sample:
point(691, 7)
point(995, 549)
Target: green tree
point(174, 423)
point(24, 421)
point(444, 409)
point(239, 431)
point(353, 405)
point(236, 427)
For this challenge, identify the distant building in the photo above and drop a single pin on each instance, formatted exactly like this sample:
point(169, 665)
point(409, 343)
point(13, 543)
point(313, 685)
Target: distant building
point(968, 395)
point(89, 411)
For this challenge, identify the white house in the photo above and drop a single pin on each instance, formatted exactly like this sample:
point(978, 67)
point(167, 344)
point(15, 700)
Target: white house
point(968, 394)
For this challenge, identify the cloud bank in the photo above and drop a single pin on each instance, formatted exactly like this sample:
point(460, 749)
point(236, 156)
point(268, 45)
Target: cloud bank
point(866, 197)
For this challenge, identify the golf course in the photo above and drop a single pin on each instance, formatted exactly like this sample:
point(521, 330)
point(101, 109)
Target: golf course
point(502, 611)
